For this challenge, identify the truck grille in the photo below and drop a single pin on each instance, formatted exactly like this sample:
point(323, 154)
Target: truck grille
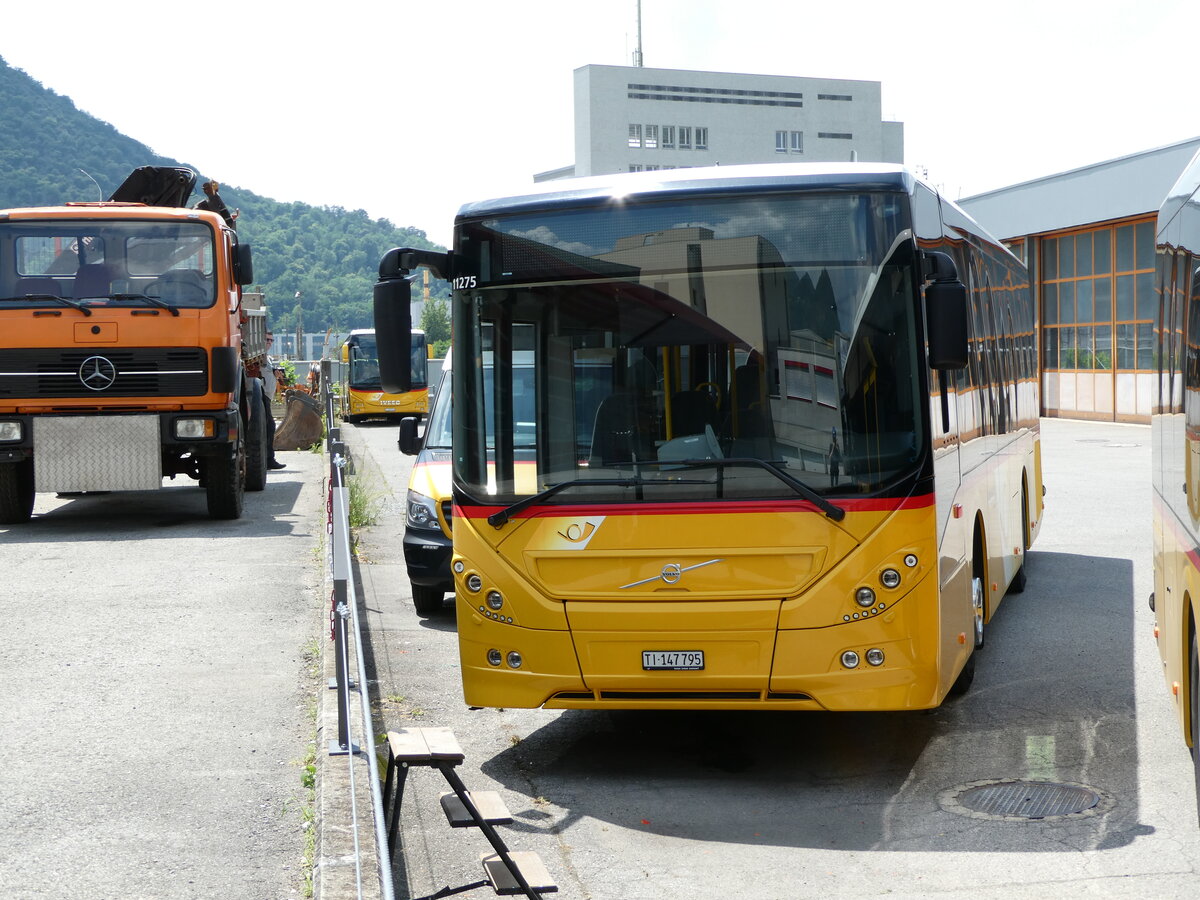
point(111, 372)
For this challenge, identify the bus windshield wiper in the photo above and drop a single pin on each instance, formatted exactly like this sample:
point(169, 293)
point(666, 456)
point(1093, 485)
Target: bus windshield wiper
point(832, 510)
point(153, 301)
point(67, 301)
point(499, 518)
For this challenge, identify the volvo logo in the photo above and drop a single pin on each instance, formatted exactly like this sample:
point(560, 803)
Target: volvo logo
point(97, 373)
point(671, 573)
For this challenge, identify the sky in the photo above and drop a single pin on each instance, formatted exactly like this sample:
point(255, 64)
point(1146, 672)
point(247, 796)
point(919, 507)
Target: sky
point(408, 109)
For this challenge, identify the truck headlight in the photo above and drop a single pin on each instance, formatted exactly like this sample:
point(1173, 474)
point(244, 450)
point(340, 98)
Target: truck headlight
point(422, 512)
point(194, 429)
point(10, 431)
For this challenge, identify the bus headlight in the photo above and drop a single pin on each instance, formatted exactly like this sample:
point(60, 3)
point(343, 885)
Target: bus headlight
point(422, 512)
point(474, 583)
point(494, 657)
point(514, 659)
point(10, 431)
point(875, 656)
point(850, 659)
point(495, 600)
point(889, 578)
point(864, 597)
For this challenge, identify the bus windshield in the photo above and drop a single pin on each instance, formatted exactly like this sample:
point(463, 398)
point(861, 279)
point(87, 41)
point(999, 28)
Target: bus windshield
point(363, 358)
point(677, 345)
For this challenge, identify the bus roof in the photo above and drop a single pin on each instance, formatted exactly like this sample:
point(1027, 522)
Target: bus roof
point(648, 185)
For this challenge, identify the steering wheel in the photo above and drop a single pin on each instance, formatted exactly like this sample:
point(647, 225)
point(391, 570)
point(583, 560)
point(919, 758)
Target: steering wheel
point(714, 391)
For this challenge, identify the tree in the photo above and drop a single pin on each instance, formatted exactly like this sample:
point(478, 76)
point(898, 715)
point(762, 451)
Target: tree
point(435, 322)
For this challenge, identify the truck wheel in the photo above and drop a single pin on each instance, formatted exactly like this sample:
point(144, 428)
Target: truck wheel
point(256, 444)
point(225, 482)
point(16, 492)
point(427, 600)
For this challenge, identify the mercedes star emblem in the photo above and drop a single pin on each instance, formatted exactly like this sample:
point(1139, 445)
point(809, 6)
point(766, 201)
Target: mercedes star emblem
point(97, 373)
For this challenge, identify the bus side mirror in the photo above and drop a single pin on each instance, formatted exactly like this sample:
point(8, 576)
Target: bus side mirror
point(946, 321)
point(393, 333)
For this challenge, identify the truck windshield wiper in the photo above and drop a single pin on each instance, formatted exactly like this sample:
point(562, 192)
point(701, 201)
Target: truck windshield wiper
point(830, 509)
point(499, 518)
point(153, 301)
point(64, 300)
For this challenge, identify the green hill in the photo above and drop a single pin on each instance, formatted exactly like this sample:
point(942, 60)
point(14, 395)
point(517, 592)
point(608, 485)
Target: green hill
point(48, 150)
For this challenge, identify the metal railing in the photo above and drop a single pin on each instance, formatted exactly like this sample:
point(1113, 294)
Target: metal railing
point(346, 628)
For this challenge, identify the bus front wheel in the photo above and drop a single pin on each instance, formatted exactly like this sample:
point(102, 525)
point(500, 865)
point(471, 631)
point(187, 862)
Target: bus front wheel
point(1195, 712)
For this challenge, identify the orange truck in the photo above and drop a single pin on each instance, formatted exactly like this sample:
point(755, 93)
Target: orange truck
point(128, 350)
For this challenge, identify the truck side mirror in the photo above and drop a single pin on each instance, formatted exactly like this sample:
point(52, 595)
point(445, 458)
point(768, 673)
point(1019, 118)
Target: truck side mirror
point(243, 264)
point(393, 333)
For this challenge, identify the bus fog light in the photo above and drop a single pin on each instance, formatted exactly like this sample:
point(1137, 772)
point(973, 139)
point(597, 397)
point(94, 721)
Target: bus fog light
point(494, 600)
point(875, 656)
point(459, 566)
point(474, 583)
point(514, 659)
point(193, 429)
point(494, 657)
point(889, 578)
point(850, 659)
point(864, 597)
point(911, 560)
point(10, 431)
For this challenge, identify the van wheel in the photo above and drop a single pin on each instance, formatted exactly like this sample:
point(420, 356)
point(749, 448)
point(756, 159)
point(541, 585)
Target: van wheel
point(427, 600)
point(16, 492)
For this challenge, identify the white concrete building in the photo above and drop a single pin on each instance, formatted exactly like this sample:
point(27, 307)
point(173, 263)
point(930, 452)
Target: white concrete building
point(632, 119)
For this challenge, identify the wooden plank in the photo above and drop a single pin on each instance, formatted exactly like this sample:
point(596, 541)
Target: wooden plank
point(489, 803)
point(443, 744)
point(532, 869)
point(423, 746)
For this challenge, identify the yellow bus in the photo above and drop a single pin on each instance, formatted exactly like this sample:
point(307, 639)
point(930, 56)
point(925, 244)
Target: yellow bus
point(1176, 439)
point(784, 451)
point(361, 396)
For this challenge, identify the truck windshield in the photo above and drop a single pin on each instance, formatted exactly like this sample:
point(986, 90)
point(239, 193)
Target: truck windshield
point(106, 263)
point(780, 328)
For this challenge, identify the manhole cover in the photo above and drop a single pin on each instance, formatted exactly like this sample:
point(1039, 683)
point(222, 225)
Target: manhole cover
point(1021, 800)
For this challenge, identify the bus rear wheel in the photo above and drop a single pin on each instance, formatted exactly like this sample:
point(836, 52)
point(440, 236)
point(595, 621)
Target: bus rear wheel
point(1195, 711)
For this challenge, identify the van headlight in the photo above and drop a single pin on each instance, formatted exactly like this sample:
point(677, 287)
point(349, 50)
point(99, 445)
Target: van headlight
point(422, 512)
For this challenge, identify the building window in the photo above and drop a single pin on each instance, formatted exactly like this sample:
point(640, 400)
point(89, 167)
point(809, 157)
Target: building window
point(1098, 299)
point(635, 135)
point(701, 138)
point(651, 137)
point(836, 135)
point(834, 97)
point(685, 137)
point(634, 167)
point(781, 142)
point(668, 136)
point(797, 142)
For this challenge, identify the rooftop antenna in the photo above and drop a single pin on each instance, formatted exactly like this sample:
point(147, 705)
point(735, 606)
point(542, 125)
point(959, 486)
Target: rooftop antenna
point(97, 184)
point(637, 54)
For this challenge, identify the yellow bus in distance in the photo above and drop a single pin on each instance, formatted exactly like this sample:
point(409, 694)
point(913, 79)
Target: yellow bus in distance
point(754, 437)
point(361, 395)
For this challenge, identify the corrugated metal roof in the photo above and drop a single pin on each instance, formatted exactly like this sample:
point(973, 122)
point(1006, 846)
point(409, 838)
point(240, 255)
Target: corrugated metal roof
point(1127, 186)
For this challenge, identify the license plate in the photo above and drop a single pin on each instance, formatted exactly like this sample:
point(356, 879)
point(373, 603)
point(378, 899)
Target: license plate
point(676, 660)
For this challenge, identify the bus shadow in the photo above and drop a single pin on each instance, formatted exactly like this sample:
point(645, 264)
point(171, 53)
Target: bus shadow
point(1053, 700)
